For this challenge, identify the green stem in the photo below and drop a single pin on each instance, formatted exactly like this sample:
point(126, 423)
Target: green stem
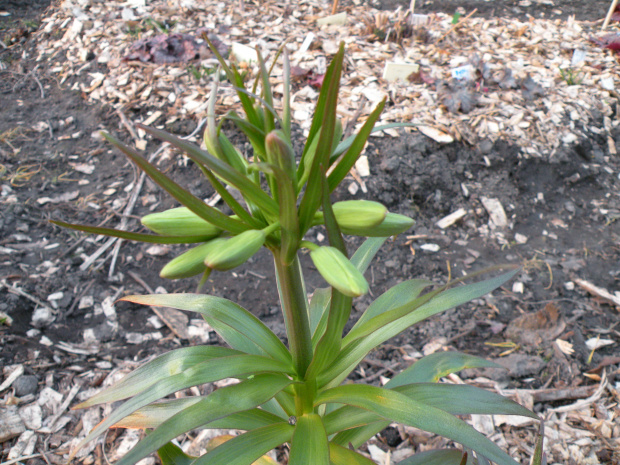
point(295, 308)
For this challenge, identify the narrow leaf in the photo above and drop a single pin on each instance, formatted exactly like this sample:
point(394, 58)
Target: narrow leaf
point(171, 454)
point(368, 339)
point(402, 294)
point(309, 444)
point(235, 79)
point(212, 370)
point(222, 169)
point(266, 93)
point(248, 447)
point(230, 200)
point(131, 236)
point(339, 455)
point(210, 214)
point(153, 415)
point(168, 364)
point(318, 316)
point(366, 252)
point(432, 367)
point(359, 142)
point(345, 144)
point(312, 196)
point(228, 314)
point(219, 404)
point(397, 407)
point(454, 399)
point(286, 93)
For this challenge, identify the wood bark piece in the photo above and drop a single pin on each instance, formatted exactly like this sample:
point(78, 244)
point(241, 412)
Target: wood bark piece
point(612, 8)
point(11, 424)
point(598, 292)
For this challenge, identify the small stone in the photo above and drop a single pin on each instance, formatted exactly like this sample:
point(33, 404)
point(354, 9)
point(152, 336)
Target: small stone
point(100, 333)
point(520, 365)
point(486, 146)
point(42, 317)
point(25, 384)
point(391, 164)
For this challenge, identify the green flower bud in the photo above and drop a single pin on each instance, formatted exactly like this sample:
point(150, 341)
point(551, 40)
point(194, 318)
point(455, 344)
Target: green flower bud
point(280, 152)
point(189, 263)
point(234, 251)
point(353, 214)
point(338, 271)
point(392, 224)
point(179, 222)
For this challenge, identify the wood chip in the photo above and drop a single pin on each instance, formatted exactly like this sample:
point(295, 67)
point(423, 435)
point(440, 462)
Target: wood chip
point(452, 218)
point(598, 292)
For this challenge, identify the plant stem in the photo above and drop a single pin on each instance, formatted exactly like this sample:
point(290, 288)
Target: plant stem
point(295, 309)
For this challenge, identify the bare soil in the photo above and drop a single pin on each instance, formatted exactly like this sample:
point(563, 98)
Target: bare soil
point(563, 216)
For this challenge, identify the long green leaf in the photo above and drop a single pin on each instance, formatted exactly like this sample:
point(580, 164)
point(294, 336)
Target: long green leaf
point(339, 455)
point(355, 150)
point(435, 457)
point(318, 315)
point(345, 144)
point(432, 367)
point(248, 447)
point(235, 366)
point(312, 196)
point(286, 93)
point(401, 294)
point(210, 214)
point(367, 340)
point(309, 444)
point(222, 169)
point(237, 324)
point(363, 256)
point(131, 236)
point(236, 80)
point(439, 302)
point(455, 399)
point(360, 434)
point(270, 114)
point(393, 405)
point(255, 135)
point(219, 404)
point(230, 200)
point(153, 415)
point(168, 364)
point(171, 454)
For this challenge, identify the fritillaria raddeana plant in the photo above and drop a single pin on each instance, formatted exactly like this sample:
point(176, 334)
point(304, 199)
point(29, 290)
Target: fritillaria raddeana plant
point(295, 394)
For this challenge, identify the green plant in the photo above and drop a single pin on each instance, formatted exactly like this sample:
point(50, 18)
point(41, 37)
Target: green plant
point(293, 394)
point(571, 76)
point(199, 72)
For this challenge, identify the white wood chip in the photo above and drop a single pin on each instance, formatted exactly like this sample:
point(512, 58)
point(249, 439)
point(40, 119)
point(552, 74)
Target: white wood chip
point(496, 212)
point(452, 218)
point(436, 134)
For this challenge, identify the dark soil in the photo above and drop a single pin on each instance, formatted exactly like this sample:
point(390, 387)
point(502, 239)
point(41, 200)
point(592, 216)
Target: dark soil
point(567, 206)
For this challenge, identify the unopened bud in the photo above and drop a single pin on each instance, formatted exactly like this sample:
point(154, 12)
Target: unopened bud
point(338, 271)
point(179, 222)
point(234, 251)
point(352, 214)
point(189, 263)
point(392, 225)
point(280, 152)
